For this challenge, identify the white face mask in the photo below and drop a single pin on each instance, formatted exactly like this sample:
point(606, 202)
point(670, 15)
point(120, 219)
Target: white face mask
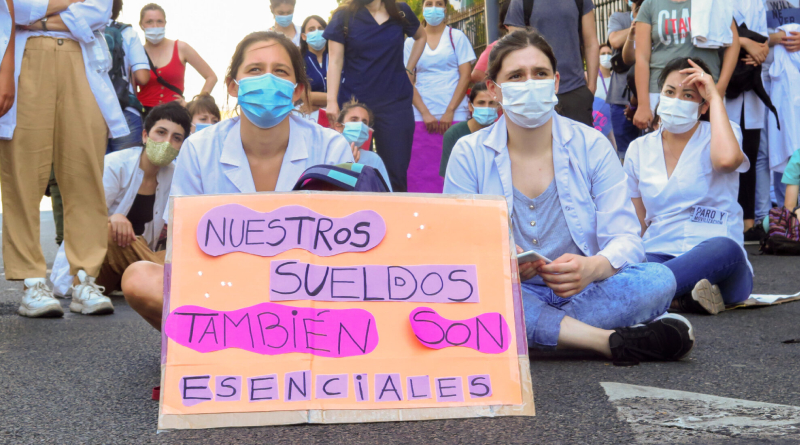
point(154, 35)
point(605, 61)
point(678, 116)
point(529, 104)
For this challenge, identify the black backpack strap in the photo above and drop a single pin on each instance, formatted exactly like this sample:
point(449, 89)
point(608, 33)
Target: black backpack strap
point(527, 10)
point(161, 79)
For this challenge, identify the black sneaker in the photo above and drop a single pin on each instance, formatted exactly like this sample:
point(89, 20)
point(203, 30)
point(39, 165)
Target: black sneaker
point(670, 337)
point(754, 235)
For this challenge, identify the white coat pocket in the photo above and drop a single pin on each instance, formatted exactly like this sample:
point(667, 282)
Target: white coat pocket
point(704, 223)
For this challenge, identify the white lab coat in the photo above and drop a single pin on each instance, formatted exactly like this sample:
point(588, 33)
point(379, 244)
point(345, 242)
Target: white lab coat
point(711, 23)
point(754, 15)
point(785, 75)
point(670, 201)
point(213, 161)
point(591, 185)
point(122, 179)
point(82, 19)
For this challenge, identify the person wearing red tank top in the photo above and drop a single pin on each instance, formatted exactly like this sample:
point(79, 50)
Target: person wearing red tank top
point(168, 58)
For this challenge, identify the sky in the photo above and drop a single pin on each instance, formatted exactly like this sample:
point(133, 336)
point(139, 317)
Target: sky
point(214, 27)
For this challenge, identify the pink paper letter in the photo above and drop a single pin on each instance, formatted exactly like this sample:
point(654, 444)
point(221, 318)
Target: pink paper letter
point(487, 333)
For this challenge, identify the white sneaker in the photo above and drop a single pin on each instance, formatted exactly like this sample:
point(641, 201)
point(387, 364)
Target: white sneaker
point(38, 300)
point(88, 298)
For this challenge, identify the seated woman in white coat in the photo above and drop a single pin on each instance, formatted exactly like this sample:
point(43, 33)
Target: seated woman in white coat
point(266, 149)
point(684, 181)
point(136, 182)
point(568, 199)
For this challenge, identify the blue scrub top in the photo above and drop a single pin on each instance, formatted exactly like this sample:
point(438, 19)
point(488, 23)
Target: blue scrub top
point(374, 72)
point(317, 74)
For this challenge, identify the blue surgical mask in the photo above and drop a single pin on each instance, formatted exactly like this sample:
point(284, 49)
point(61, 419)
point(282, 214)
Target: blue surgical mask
point(284, 21)
point(356, 132)
point(315, 40)
point(198, 127)
point(485, 116)
point(266, 100)
point(630, 4)
point(433, 15)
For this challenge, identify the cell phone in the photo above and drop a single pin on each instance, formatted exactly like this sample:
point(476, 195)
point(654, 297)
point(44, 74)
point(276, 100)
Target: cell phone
point(531, 256)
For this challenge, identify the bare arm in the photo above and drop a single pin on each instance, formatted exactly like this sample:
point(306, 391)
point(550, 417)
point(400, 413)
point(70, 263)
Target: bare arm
point(193, 58)
point(641, 212)
point(729, 61)
point(7, 87)
point(141, 76)
point(420, 39)
point(643, 115)
point(464, 72)
point(335, 63)
point(591, 49)
point(790, 202)
point(317, 98)
point(617, 38)
point(54, 23)
point(477, 76)
point(628, 51)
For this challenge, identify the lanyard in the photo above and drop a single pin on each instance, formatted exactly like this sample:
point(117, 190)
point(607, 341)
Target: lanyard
point(603, 79)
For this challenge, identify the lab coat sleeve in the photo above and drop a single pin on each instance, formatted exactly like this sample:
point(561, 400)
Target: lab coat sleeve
point(29, 11)
point(464, 51)
point(617, 225)
point(83, 19)
point(186, 179)
point(631, 168)
point(112, 182)
point(461, 176)
point(135, 51)
point(339, 151)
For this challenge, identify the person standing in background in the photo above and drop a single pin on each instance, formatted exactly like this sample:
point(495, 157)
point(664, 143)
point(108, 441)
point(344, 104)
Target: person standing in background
point(569, 27)
point(619, 30)
point(604, 72)
point(168, 59)
point(479, 71)
point(135, 70)
point(283, 11)
point(314, 49)
point(767, 174)
point(663, 34)
point(65, 109)
point(747, 110)
point(365, 42)
point(442, 78)
point(7, 39)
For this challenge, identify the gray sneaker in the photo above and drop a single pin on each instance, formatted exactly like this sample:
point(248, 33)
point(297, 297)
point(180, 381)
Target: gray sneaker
point(88, 298)
point(38, 300)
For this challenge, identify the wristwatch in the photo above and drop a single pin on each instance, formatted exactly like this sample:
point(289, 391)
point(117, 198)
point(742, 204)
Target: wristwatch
point(44, 23)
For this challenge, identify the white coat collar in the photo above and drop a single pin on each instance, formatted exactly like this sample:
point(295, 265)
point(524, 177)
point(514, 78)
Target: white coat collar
point(498, 135)
point(237, 167)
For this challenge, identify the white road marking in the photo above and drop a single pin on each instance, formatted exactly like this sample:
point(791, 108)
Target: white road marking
point(667, 416)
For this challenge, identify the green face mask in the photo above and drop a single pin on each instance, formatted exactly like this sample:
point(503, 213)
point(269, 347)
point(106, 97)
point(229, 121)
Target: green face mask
point(160, 153)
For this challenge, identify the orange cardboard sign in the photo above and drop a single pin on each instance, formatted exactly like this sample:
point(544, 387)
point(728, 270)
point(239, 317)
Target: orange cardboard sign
point(317, 307)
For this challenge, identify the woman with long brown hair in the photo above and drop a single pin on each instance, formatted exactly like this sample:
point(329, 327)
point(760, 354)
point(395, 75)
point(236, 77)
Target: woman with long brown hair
point(365, 45)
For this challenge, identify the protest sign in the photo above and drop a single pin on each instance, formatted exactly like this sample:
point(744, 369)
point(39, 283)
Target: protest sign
point(315, 307)
point(601, 116)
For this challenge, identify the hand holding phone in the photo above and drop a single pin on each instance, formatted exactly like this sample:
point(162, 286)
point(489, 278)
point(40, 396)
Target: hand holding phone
point(531, 256)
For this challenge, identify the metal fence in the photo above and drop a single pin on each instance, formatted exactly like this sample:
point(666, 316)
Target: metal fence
point(472, 20)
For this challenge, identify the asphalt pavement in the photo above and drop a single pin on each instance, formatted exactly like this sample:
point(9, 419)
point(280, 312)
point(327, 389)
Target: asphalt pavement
point(83, 379)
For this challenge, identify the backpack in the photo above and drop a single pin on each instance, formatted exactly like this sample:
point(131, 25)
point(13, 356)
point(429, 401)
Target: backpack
point(783, 237)
point(348, 177)
point(113, 34)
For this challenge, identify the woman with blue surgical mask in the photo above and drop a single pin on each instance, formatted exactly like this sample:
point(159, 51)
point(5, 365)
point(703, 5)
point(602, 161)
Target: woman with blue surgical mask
point(684, 181)
point(283, 11)
point(314, 49)
point(355, 122)
point(568, 200)
point(267, 148)
point(441, 81)
point(483, 109)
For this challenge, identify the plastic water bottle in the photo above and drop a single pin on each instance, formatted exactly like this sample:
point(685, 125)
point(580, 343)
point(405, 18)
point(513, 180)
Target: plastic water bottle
point(98, 53)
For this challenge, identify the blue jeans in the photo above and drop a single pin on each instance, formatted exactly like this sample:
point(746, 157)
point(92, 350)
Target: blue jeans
point(636, 294)
point(133, 139)
point(720, 260)
point(624, 130)
point(763, 201)
point(779, 188)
